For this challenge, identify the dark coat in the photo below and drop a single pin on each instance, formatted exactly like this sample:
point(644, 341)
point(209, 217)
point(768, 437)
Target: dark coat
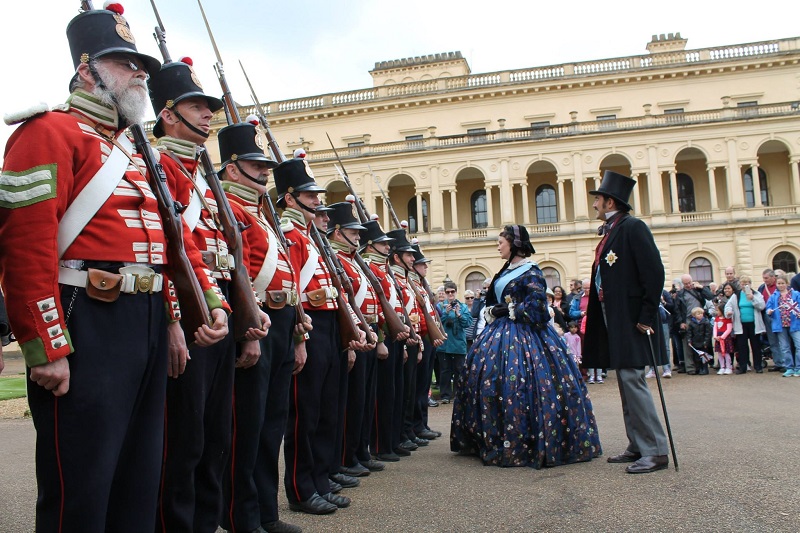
point(632, 288)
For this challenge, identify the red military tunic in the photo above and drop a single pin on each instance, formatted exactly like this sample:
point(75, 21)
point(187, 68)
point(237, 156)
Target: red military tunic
point(366, 298)
point(313, 275)
point(428, 306)
point(40, 180)
point(268, 263)
point(410, 302)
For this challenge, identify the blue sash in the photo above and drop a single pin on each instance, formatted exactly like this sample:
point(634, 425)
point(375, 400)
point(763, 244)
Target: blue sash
point(505, 278)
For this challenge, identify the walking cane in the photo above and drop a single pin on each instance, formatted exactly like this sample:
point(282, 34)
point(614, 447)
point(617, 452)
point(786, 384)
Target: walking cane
point(661, 393)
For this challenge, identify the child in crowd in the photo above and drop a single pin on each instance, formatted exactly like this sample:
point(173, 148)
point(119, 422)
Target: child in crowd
point(700, 333)
point(723, 339)
point(573, 341)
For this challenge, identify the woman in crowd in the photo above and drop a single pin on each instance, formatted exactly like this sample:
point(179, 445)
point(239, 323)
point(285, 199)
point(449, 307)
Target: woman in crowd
point(783, 309)
point(560, 300)
point(520, 400)
point(744, 308)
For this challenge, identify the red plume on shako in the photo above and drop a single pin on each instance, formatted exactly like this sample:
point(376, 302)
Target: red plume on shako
point(404, 224)
point(350, 198)
point(115, 7)
point(374, 216)
point(252, 119)
point(187, 60)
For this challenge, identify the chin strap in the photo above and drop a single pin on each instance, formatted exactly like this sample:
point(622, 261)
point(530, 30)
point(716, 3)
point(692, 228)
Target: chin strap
point(248, 176)
point(191, 126)
point(302, 205)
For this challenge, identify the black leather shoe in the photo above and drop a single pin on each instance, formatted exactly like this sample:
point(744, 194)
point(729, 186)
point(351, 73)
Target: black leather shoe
point(339, 501)
point(759, 371)
point(445, 400)
point(335, 487)
point(648, 464)
point(389, 457)
point(438, 433)
point(281, 527)
point(625, 457)
point(739, 372)
point(407, 445)
point(420, 442)
point(401, 452)
point(776, 369)
point(357, 470)
point(432, 403)
point(373, 465)
point(347, 482)
point(316, 504)
point(427, 434)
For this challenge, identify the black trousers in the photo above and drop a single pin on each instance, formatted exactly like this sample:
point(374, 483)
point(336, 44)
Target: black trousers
point(260, 410)
point(98, 448)
point(399, 396)
point(381, 438)
point(354, 420)
point(370, 394)
point(749, 334)
point(410, 370)
point(313, 408)
point(450, 365)
point(341, 412)
point(424, 379)
point(197, 440)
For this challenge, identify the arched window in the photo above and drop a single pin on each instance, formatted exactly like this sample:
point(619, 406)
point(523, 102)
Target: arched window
point(546, 209)
point(749, 193)
point(551, 276)
point(701, 271)
point(685, 194)
point(412, 215)
point(474, 282)
point(785, 261)
point(480, 219)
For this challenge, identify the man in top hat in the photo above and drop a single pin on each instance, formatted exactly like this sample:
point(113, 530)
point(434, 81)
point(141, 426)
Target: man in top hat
point(401, 261)
point(626, 284)
point(313, 396)
point(344, 233)
point(261, 391)
point(199, 399)
point(380, 411)
point(90, 311)
point(419, 426)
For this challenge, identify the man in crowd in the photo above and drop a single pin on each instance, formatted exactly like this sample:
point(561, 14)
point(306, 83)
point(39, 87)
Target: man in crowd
point(690, 296)
point(90, 313)
point(766, 289)
point(456, 318)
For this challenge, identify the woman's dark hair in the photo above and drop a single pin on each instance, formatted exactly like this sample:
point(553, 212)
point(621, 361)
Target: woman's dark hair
point(563, 292)
point(520, 242)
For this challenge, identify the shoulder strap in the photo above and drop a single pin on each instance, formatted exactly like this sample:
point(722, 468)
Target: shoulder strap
point(192, 214)
point(94, 195)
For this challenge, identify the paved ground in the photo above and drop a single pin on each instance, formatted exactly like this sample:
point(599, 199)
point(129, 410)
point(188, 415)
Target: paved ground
point(738, 441)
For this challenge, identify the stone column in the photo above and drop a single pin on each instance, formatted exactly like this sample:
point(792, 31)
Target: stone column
point(795, 180)
point(453, 210)
point(526, 213)
point(673, 190)
point(579, 189)
point(489, 207)
point(712, 187)
point(562, 208)
point(436, 206)
point(420, 224)
point(654, 183)
point(734, 176)
point(506, 194)
point(637, 198)
point(756, 185)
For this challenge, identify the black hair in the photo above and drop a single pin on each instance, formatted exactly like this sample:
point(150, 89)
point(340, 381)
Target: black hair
point(520, 242)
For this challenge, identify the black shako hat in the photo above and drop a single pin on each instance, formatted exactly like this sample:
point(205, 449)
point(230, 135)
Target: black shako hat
point(237, 142)
point(99, 32)
point(373, 233)
point(342, 216)
point(400, 243)
point(176, 81)
point(418, 257)
point(616, 186)
point(293, 176)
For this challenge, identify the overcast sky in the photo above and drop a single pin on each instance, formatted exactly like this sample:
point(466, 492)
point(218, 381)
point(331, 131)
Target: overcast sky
point(294, 49)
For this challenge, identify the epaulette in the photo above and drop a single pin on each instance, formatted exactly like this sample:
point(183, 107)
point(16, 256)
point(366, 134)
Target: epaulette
point(25, 114)
point(286, 227)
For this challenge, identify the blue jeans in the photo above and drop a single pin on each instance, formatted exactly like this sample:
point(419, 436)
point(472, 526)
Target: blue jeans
point(790, 363)
point(779, 357)
point(665, 331)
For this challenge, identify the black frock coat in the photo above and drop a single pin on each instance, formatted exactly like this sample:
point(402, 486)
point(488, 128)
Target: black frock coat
point(632, 277)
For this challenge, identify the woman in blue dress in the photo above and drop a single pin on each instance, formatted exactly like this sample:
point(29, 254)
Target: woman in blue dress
point(520, 399)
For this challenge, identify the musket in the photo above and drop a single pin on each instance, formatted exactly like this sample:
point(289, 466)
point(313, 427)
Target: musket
point(267, 207)
point(438, 330)
point(242, 299)
point(230, 106)
point(86, 5)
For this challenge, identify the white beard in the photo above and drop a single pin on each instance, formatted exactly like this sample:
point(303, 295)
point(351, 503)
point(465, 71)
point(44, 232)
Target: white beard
point(131, 100)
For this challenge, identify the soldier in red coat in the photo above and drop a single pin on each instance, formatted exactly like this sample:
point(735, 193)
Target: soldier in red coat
point(89, 310)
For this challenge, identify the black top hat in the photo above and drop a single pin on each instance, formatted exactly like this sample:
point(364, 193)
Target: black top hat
point(418, 257)
point(342, 216)
point(616, 186)
point(293, 176)
point(237, 142)
point(93, 34)
point(400, 243)
point(322, 208)
point(176, 81)
point(372, 233)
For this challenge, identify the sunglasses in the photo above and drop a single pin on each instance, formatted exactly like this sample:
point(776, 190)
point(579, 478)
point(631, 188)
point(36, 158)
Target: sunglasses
point(450, 292)
point(469, 297)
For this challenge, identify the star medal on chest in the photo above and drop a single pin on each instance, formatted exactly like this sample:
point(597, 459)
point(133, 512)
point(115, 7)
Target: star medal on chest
point(611, 258)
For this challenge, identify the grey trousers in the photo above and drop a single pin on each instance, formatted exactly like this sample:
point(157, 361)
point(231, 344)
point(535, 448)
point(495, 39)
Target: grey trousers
point(642, 426)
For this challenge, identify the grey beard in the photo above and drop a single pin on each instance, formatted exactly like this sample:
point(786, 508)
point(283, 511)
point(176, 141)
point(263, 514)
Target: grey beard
point(130, 102)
